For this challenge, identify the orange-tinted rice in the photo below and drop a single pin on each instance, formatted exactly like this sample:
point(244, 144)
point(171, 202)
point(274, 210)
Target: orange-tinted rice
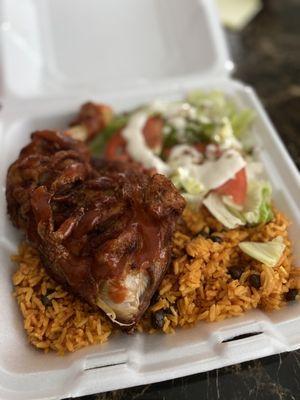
point(197, 286)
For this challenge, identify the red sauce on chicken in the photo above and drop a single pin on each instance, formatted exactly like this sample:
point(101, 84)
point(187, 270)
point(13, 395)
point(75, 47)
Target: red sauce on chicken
point(92, 221)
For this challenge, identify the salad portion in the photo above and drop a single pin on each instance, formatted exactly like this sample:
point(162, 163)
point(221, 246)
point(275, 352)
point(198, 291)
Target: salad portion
point(201, 144)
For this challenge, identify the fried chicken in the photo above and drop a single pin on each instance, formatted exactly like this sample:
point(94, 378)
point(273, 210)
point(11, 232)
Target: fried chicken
point(103, 229)
point(90, 121)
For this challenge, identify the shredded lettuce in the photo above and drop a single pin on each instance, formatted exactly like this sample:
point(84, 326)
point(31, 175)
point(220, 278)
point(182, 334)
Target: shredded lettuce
point(213, 103)
point(235, 208)
point(182, 180)
point(268, 253)
point(240, 121)
point(194, 199)
point(98, 144)
point(219, 210)
point(169, 138)
point(224, 135)
point(216, 107)
point(258, 207)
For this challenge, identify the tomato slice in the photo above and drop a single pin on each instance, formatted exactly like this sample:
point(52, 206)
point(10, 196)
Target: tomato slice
point(153, 132)
point(201, 147)
point(116, 148)
point(235, 187)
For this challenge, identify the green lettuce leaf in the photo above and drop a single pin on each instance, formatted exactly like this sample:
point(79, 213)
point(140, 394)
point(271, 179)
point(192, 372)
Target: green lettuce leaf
point(268, 253)
point(216, 106)
point(258, 208)
point(240, 121)
point(98, 144)
point(182, 180)
point(214, 102)
point(213, 202)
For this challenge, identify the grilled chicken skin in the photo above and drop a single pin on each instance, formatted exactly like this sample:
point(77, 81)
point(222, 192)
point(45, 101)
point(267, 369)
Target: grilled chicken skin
point(103, 229)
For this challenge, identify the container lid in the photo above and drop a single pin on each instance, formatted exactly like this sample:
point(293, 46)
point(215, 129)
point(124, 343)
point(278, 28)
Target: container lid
point(53, 47)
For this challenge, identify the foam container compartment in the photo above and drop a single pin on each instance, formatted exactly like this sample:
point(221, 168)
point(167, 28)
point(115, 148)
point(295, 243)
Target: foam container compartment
point(56, 55)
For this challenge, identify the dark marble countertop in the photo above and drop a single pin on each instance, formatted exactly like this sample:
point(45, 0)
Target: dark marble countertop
point(267, 56)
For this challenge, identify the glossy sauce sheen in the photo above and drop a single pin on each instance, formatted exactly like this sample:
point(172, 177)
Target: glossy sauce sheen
point(41, 204)
point(147, 254)
point(150, 240)
point(94, 223)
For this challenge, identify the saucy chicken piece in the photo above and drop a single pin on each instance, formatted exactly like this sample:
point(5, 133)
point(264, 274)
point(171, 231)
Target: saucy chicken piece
point(103, 228)
point(91, 120)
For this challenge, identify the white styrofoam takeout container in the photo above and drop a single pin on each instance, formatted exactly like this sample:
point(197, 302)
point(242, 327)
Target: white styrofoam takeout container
point(57, 54)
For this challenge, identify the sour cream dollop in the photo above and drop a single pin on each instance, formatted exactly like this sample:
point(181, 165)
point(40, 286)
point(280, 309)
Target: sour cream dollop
point(211, 173)
point(137, 147)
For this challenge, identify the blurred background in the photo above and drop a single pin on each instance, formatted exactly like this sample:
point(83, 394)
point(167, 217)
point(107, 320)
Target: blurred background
point(266, 53)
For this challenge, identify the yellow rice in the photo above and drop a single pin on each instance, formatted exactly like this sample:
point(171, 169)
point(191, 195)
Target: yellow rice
point(196, 287)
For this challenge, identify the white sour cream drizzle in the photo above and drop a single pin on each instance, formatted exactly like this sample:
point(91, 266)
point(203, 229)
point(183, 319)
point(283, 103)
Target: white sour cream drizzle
point(212, 173)
point(137, 147)
point(215, 173)
point(183, 154)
